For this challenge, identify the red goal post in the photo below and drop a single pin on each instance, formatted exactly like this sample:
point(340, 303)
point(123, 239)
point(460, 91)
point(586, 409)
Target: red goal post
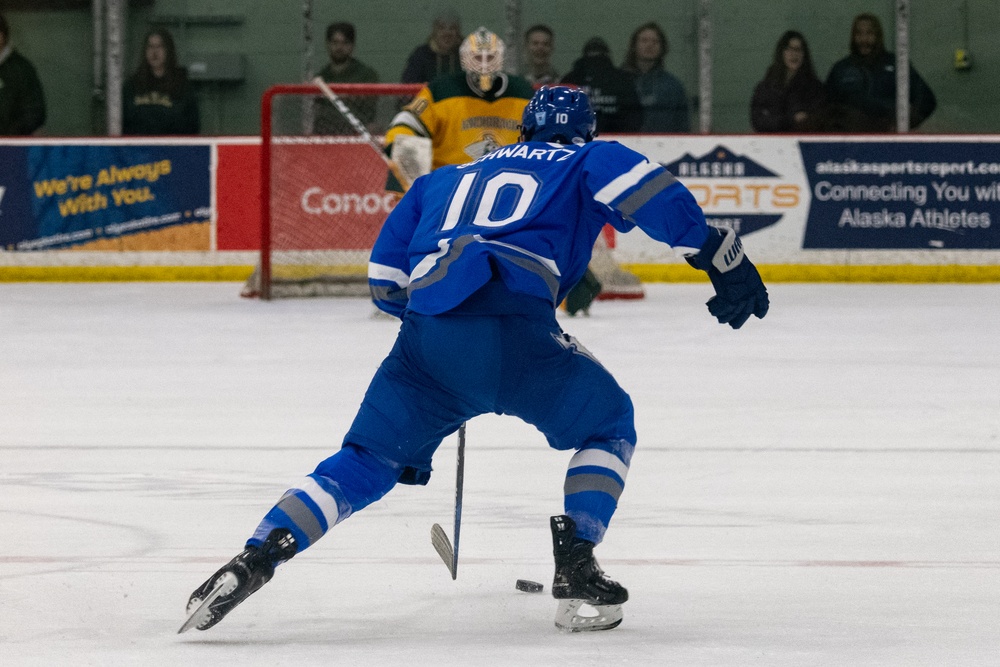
point(323, 197)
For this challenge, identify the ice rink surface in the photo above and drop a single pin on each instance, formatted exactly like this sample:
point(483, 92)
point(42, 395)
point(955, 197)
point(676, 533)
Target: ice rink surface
point(819, 488)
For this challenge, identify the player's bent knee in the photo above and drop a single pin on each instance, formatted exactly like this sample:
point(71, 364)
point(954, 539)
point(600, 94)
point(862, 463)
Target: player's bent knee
point(359, 475)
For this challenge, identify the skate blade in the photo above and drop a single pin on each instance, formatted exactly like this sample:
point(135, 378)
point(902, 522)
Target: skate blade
point(568, 618)
point(225, 585)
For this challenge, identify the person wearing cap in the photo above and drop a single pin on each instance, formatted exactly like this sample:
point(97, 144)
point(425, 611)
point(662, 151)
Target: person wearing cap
point(439, 54)
point(612, 90)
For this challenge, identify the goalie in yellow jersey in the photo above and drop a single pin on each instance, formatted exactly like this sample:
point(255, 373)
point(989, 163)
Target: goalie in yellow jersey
point(459, 117)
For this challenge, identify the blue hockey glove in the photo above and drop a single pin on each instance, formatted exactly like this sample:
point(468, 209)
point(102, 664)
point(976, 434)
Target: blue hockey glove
point(739, 291)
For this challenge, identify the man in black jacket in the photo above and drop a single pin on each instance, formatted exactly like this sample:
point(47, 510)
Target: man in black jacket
point(22, 103)
point(439, 54)
point(612, 90)
point(861, 88)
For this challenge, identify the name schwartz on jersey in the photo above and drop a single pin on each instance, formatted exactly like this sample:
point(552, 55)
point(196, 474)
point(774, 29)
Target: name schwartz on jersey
point(526, 152)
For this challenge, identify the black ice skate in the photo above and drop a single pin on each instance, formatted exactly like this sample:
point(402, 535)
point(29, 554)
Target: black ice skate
point(238, 580)
point(579, 580)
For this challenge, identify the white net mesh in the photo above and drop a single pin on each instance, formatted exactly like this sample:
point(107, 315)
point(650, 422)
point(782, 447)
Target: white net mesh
point(326, 187)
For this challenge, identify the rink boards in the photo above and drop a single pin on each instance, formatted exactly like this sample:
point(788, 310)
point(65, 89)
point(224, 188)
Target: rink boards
point(810, 208)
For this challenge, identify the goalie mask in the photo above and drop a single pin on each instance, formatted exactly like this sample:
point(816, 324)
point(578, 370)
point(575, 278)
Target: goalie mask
point(560, 114)
point(482, 56)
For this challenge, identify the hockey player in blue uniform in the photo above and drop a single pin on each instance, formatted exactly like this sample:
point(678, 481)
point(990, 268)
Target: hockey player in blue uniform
point(474, 259)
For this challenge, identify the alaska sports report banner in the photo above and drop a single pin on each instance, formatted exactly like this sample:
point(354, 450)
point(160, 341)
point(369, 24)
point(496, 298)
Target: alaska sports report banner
point(804, 200)
point(902, 195)
point(70, 196)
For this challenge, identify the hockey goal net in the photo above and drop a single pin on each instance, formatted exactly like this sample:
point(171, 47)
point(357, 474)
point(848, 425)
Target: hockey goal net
point(323, 197)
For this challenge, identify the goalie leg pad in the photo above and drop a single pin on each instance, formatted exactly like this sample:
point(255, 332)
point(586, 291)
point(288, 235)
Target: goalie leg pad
point(583, 294)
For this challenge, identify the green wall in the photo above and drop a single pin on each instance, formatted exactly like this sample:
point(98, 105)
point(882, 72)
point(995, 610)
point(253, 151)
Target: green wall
point(744, 33)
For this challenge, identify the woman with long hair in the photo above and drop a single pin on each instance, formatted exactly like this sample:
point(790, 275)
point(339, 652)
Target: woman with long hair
point(791, 97)
point(661, 94)
point(157, 98)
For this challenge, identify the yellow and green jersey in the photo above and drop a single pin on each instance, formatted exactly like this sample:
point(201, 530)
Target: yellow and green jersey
point(463, 123)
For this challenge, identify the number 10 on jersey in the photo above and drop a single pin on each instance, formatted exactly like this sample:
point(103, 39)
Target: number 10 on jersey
point(524, 186)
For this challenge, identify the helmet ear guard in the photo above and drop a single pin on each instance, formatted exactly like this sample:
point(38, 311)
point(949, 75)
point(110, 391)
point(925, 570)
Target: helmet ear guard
point(559, 114)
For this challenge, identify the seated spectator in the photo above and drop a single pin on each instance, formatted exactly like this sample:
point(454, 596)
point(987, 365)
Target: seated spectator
point(158, 99)
point(790, 98)
point(344, 68)
point(22, 102)
point(439, 55)
point(861, 88)
point(661, 94)
point(539, 40)
point(611, 90)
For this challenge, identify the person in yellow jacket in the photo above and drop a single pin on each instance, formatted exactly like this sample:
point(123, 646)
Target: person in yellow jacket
point(464, 115)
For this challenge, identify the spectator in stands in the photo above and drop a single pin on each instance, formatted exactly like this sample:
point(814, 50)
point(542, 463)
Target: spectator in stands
point(539, 41)
point(791, 97)
point(664, 101)
point(158, 99)
point(22, 102)
point(612, 91)
point(439, 55)
point(344, 68)
point(861, 88)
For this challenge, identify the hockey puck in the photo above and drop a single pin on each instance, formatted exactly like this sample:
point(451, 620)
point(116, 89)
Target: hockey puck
point(528, 586)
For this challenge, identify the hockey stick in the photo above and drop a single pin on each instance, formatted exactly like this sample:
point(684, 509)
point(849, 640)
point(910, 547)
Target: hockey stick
point(438, 537)
point(360, 128)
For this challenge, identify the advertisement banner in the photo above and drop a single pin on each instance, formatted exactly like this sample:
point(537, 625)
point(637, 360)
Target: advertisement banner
point(97, 196)
point(902, 195)
point(736, 190)
point(327, 196)
point(237, 197)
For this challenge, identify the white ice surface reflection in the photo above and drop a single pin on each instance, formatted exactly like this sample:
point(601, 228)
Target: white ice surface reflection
point(820, 488)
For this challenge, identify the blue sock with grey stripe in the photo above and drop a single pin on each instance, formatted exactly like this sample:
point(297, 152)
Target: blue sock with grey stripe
point(594, 482)
point(348, 481)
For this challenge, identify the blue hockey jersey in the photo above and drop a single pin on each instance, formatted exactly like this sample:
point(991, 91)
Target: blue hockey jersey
point(531, 212)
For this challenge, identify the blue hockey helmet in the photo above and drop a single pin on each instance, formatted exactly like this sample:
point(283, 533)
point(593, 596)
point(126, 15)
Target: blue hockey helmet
point(560, 114)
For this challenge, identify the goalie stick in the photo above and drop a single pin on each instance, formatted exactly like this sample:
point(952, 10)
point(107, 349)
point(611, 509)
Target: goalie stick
point(439, 538)
point(346, 112)
point(362, 131)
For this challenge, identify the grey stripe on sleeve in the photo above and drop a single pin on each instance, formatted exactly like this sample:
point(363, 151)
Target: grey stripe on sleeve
point(638, 199)
point(386, 293)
